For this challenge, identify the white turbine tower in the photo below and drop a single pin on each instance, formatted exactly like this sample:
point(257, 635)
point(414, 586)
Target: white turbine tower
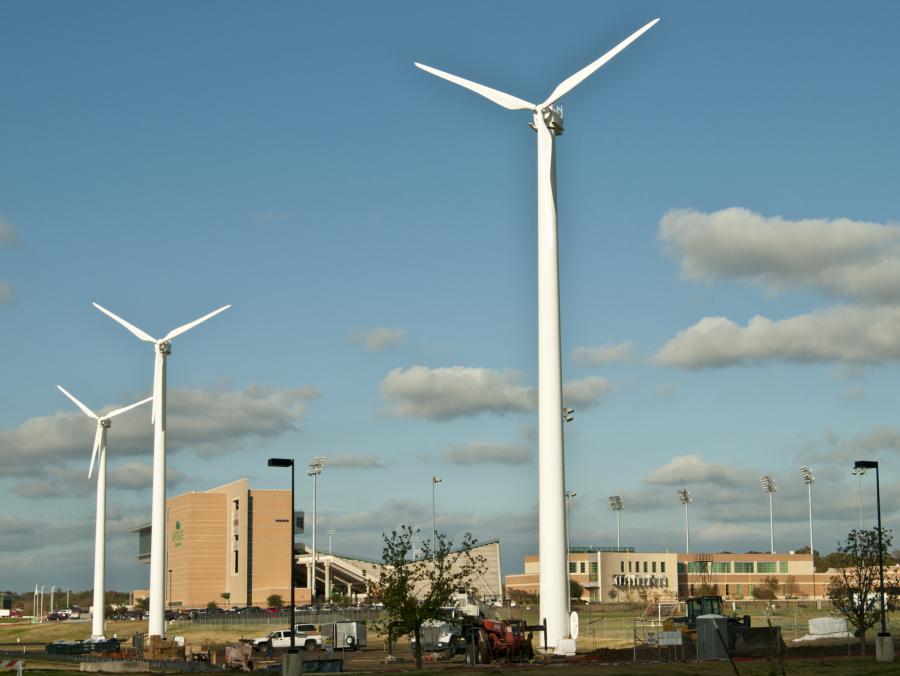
point(163, 348)
point(99, 455)
point(548, 123)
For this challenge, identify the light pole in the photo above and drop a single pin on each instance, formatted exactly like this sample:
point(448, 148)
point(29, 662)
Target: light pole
point(289, 462)
point(808, 479)
point(435, 480)
point(330, 533)
point(883, 640)
point(685, 496)
point(616, 505)
point(569, 496)
point(768, 486)
point(316, 465)
point(859, 472)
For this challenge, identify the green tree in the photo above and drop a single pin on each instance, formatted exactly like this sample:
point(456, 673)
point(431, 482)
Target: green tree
point(415, 591)
point(211, 605)
point(576, 589)
point(275, 601)
point(854, 589)
point(142, 603)
point(225, 596)
point(768, 590)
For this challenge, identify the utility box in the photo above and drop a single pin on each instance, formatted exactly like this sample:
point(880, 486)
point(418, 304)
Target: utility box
point(712, 637)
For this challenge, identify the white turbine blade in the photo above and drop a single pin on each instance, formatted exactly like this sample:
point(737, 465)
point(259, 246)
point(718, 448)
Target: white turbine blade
point(131, 327)
point(573, 81)
point(113, 414)
point(157, 382)
point(187, 327)
point(498, 97)
point(84, 408)
point(96, 448)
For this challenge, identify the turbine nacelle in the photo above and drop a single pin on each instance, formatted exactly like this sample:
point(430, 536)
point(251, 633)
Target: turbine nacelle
point(163, 347)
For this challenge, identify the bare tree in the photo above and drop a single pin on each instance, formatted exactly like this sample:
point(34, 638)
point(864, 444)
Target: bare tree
point(855, 589)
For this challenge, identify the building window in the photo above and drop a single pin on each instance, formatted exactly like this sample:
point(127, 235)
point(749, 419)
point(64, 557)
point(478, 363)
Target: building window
point(621, 563)
point(738, 591)
point(727, 589)
point(629, 566)
point(782, 566)
point(682, 567)
point(236, 553)
point(593, 571)
point(743, 566)
point(645, 566)
point(721, 566)
point(654, 566)
point(765, 566)
point(581, 567)
point(237, 505)
point(662, 566)
point(698, 567)
point(572, 565)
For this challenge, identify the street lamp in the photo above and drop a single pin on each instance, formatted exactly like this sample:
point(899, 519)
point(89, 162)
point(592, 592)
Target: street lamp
point(289, 462)
point(685, 496)
point(435, 480)
point(616, 505)
point(768, 486)
point(808, 479)
point(859, 472)
point(883, 640)
point(316, 465)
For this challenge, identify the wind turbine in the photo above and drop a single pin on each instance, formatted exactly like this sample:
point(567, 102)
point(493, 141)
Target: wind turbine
point(548, 123)
point(99, 455)
point(163, 348)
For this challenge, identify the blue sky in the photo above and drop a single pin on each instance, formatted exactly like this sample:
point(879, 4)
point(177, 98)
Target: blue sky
point(374, 229)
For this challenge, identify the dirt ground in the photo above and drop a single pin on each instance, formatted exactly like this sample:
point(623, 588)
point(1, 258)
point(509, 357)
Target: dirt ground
point(616, 657)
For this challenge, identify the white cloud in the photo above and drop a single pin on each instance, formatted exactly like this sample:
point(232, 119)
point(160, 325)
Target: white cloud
point(484, 453)
point(211, 422)
point(844, 333)
point(7, 232)
point(693, 469)
point(453, 392)
point(6, 293)
point(73, 480)
point(600, 355)
point(346, 461)
point(586, 392)
point(459, 391)
point(377, 338)
point(840, 257)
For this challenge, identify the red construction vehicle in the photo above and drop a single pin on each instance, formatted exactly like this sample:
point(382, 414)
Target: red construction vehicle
point(491, 640)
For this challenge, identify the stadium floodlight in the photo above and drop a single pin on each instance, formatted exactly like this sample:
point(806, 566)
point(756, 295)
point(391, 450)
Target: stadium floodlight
point(316, 465)
point(768, 486)
point(616, 505)
point(685, 496)
point(162, 348)
point(547, 121)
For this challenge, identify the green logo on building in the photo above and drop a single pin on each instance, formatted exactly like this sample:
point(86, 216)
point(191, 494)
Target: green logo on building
point(178, 535)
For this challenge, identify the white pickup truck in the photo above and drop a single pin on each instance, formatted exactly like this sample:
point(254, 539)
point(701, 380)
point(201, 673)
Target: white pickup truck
point(306, 636)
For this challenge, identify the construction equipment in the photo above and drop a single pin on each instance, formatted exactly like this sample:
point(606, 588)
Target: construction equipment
point(492, 640)
point(741, 639)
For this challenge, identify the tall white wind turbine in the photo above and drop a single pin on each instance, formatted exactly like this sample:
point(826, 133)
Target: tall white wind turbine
point(98, 455)
point(548, 123)
point(163, 348)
